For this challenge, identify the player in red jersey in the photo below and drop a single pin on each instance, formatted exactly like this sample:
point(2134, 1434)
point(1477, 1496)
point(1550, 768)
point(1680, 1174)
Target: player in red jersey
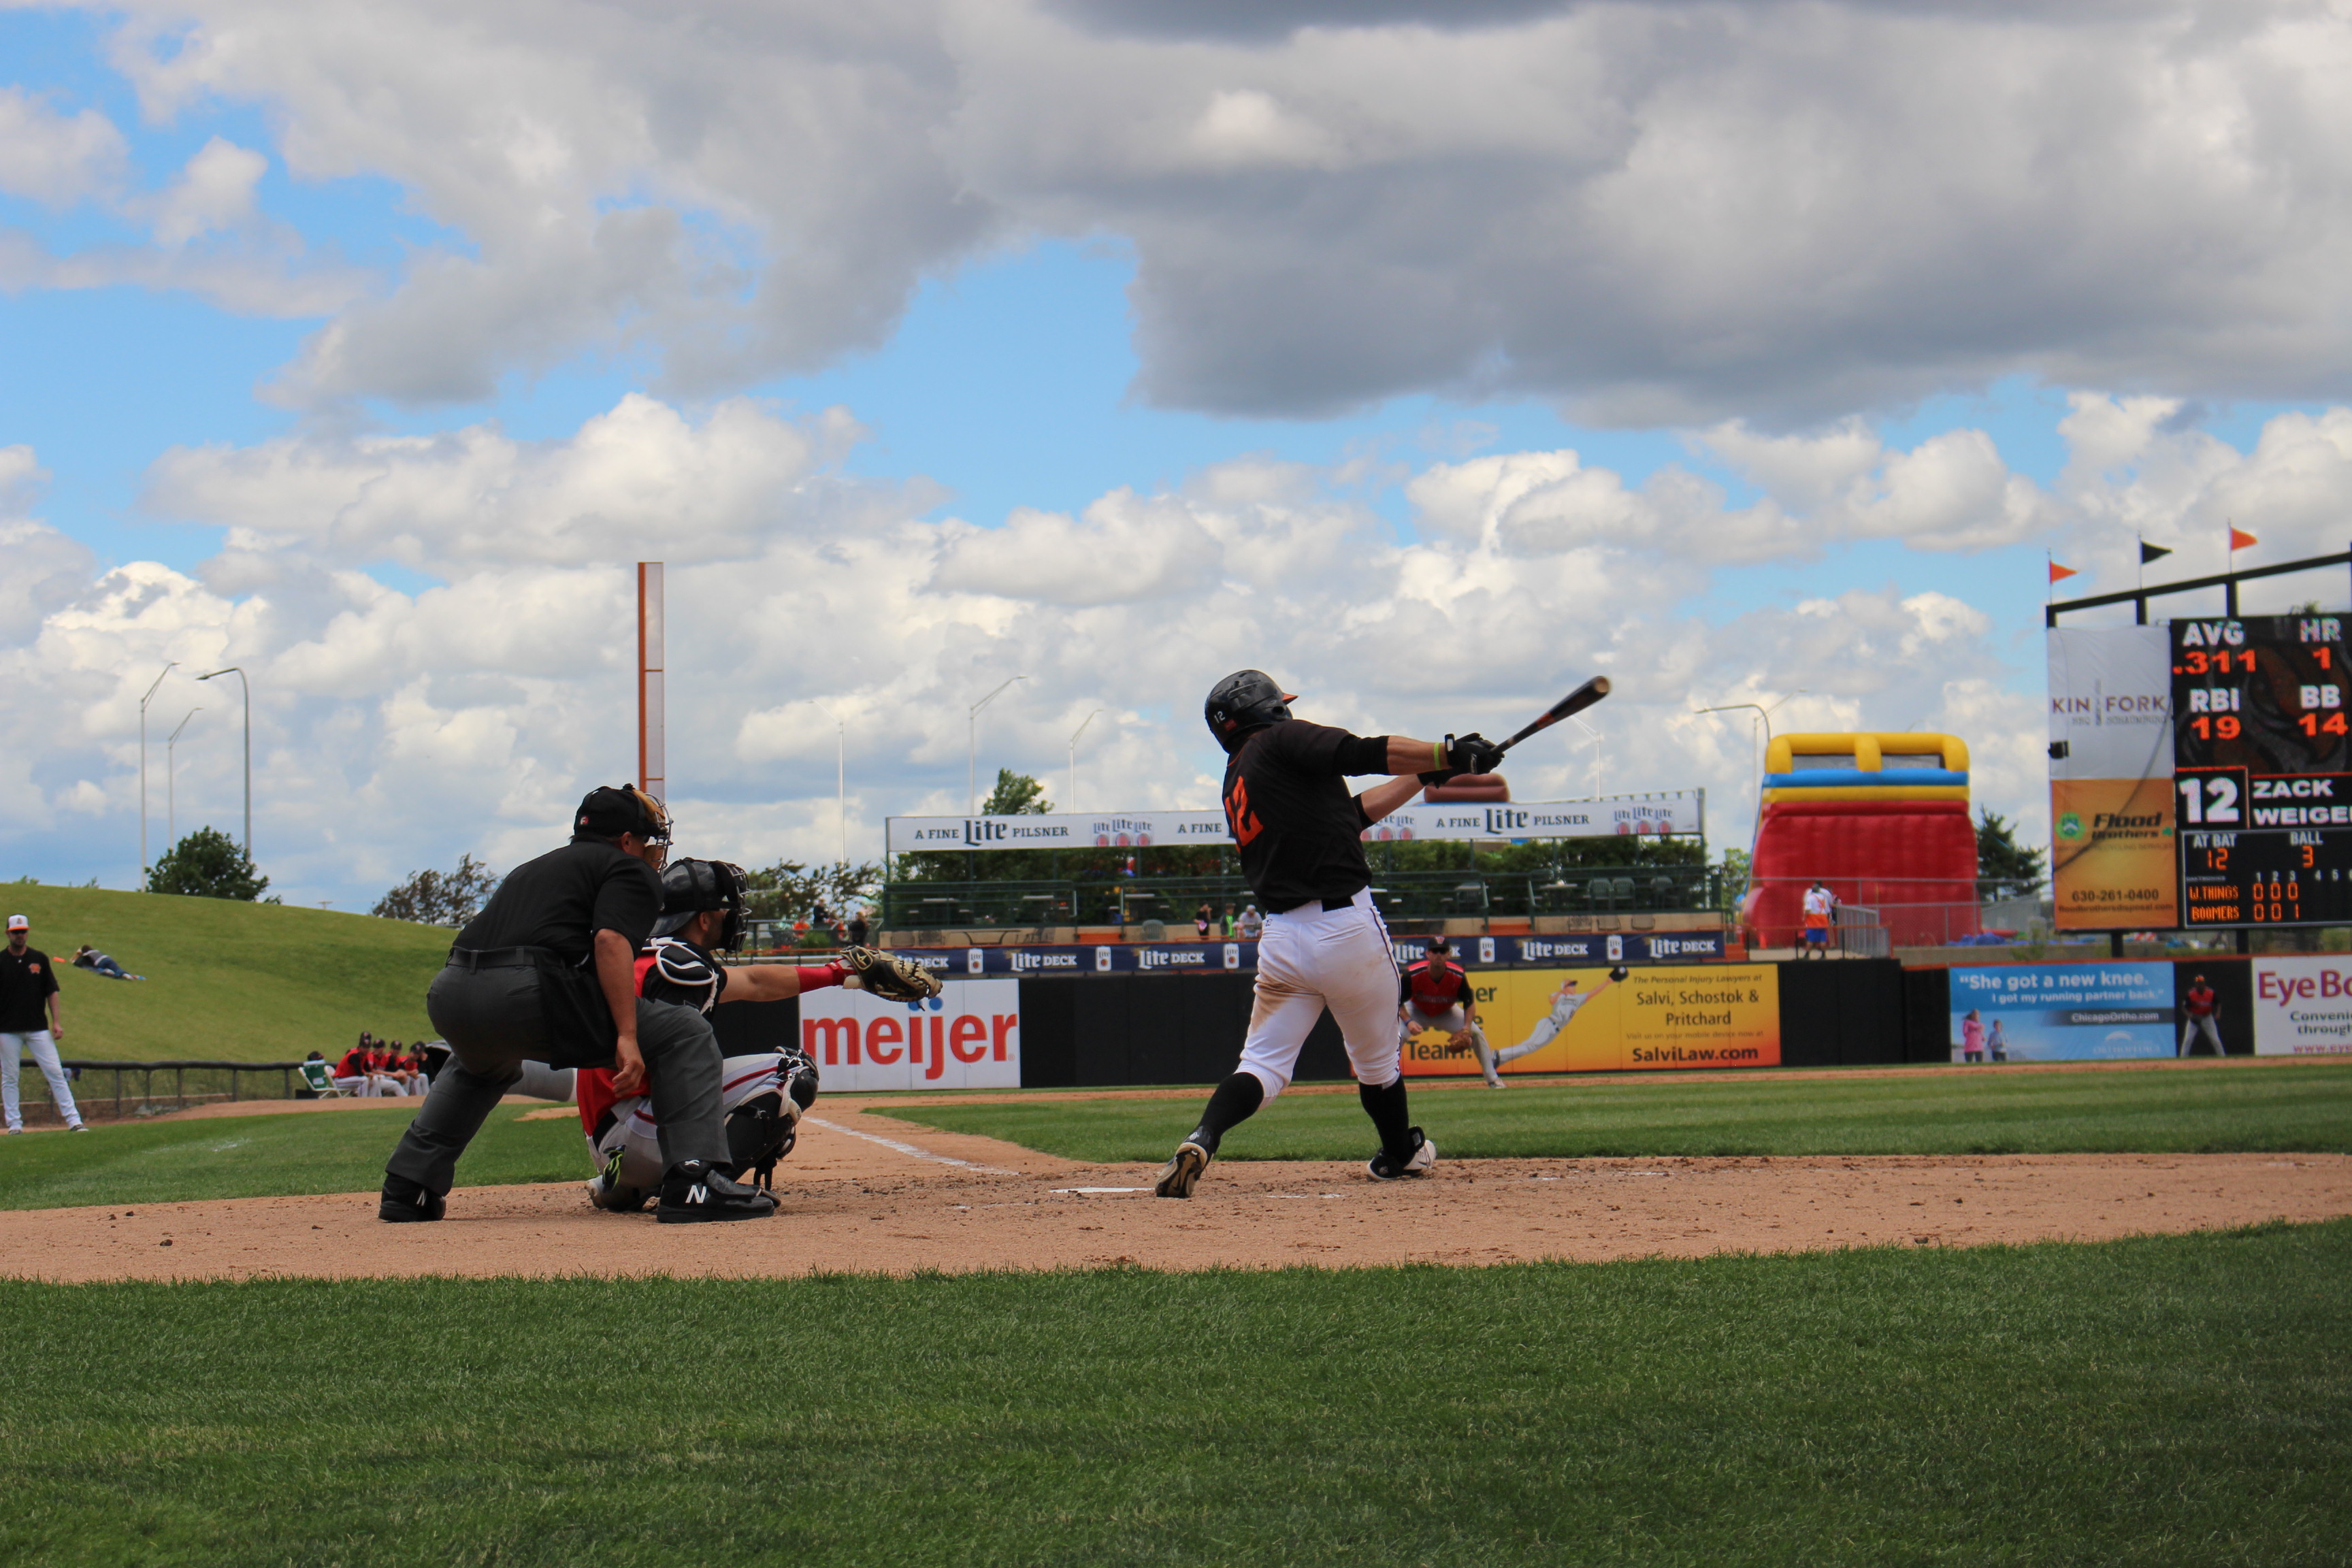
point(1436, 993)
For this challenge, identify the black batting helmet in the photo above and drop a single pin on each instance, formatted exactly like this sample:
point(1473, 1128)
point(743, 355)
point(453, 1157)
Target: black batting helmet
point(1245, 700)
point(691, 887)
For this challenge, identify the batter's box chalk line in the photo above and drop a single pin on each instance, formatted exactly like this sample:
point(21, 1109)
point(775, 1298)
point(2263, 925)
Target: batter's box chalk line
point(909, 1148)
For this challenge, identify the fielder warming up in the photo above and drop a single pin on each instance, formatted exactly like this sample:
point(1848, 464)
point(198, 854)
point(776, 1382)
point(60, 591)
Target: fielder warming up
point(1564, 1003)
point(542, 974)
point(763, 1095)
point(1300, 834)
point(1437, 995)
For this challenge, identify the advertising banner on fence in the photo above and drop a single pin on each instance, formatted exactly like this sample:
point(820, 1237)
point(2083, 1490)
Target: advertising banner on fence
point(2303, 1007)
point(1216, 957)
point(1671, 812)
point(1579, 1020)
point(967, 1036)
point(2064, 1012)
point(2114, 865)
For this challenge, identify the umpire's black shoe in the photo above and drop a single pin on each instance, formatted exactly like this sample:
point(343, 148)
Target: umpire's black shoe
point(407, 1201)
point(695, 1191)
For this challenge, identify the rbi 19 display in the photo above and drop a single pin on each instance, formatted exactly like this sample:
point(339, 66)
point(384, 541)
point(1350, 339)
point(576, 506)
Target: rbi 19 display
point(2262, 769)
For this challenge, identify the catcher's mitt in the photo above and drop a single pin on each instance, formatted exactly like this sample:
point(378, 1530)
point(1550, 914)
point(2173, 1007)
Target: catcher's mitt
point(892, 979)
point(1618, 972)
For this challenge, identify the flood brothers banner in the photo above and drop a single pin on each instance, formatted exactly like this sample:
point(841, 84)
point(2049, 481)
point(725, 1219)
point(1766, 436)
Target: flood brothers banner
point(967, 1036)
point(2303, 1007)
point(2114, 864)
point(1579, 1020)
point(1676, 810)
point(2067, 1012)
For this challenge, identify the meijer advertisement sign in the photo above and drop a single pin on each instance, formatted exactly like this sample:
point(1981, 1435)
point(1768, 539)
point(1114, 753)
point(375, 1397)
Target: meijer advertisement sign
point(967, 1036)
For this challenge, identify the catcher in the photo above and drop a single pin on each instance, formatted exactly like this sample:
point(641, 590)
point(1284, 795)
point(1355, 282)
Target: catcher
point(1436, 994)
point(762, 1096)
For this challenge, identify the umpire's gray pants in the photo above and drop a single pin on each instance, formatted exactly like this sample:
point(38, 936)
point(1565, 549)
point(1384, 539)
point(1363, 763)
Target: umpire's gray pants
point(493, 1021)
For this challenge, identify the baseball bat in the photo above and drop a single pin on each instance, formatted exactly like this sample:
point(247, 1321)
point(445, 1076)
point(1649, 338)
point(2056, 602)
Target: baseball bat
point(1576, 701)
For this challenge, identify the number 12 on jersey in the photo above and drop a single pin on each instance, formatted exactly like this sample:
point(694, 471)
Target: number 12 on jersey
point(2212, 799)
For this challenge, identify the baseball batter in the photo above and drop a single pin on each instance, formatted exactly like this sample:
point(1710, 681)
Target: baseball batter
point(1564, 1003)
point(1300, 834)
point(1437, 995)
point(762, 1096)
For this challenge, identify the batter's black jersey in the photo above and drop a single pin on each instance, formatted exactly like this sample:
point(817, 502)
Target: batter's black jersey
point(558, 901)
point(1297, 824)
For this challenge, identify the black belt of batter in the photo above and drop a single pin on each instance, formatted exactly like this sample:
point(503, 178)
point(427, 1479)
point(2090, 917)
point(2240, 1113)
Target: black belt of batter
point(499, 957)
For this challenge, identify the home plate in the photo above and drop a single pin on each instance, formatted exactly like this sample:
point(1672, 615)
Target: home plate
point(1096, 1192)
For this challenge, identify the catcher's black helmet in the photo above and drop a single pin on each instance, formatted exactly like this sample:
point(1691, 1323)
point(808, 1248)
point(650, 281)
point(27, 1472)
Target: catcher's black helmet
point(1245, 700)
point(690, 886)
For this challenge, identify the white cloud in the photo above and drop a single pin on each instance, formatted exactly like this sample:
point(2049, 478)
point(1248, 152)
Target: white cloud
point(1656, 213)
point(56, 159)
point(214, 191)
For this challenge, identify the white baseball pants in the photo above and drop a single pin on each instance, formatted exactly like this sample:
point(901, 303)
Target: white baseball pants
point(45, 1054)
point(1312, 957)
point(2193, 1025)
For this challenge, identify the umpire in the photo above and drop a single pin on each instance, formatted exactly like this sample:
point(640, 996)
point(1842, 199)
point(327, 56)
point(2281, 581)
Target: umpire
point(546, 973)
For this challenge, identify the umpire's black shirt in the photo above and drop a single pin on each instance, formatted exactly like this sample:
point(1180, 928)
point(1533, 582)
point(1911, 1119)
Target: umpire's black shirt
point(1298, 824)
point(27, 979)
point(559, 900)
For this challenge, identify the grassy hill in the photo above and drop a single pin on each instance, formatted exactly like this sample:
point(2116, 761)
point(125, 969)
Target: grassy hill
point(229, 981)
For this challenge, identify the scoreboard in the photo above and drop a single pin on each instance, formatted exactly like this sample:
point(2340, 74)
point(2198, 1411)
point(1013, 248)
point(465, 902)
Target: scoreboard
point(2262, 710)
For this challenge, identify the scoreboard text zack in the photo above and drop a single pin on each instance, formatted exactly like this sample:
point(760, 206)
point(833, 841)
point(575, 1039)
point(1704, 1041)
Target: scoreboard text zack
point(2263, 764)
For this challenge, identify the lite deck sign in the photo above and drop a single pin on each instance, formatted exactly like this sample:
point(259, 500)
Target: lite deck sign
point(2262, 769)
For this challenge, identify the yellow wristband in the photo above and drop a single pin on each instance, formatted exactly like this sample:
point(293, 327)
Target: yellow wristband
point(1437, 751)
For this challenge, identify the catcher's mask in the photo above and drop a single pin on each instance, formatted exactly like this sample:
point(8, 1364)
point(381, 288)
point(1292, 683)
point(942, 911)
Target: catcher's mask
point(609, 810)
point(1245, 700)
point(691, 887)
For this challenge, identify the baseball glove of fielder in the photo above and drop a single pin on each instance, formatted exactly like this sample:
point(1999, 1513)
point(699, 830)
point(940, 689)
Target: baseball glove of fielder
point(1458, 1042)
point(891, 979)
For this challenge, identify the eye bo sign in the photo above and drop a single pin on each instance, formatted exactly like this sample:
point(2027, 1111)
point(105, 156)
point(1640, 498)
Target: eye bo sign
point(967, 1036)
point(2303, 1007)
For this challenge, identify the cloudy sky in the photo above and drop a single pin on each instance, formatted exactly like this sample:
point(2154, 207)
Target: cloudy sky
point(1432, 355)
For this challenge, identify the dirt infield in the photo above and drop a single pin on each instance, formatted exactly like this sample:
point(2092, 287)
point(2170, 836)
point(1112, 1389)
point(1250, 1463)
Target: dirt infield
point(868, 1194)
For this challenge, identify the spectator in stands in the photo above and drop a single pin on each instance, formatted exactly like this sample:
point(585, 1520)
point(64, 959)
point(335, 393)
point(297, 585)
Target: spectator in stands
point(858, 928)
point(87, 957)
point(1229, 922)
point(1202, 918)
point(1250, 924)
point(1972, 1037)
point(1817, 921)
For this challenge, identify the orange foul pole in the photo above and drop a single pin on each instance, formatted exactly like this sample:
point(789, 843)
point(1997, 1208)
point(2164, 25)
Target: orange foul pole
point(651, 769)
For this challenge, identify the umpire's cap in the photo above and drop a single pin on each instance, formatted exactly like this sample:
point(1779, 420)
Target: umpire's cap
point(690, 886)
point(609, 810)
point(1245, 700)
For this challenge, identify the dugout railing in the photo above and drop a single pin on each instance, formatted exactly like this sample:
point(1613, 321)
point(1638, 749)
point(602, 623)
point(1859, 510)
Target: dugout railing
point(135, 1088)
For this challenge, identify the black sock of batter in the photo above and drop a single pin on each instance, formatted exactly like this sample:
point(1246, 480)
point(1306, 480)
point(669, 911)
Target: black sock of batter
point(1235, 1101)
point(1386, 1107)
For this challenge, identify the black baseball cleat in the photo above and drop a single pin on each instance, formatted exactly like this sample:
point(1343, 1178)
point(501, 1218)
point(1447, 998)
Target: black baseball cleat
point(1182, 1172)
point(693, 1191)
point(1386, 1167)
point(407, 1203)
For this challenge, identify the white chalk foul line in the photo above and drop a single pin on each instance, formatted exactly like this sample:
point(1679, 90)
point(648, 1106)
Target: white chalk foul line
point(909, 1148)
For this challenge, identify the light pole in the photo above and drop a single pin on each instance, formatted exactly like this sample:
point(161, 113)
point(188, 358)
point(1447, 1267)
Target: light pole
point(1764, 715)
point(1074, 757)
point(168, 667)
point(248, 689)
point(972, 740)
point(840, 769)
point(172, 782)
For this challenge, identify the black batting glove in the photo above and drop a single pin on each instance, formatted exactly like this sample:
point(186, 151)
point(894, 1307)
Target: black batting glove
point(1472, 753)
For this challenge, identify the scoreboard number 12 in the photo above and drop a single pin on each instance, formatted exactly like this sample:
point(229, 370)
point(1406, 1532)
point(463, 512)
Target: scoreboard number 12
point(2208, 801)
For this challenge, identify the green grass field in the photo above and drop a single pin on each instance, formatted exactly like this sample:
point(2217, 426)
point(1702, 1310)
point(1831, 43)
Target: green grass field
point(2172, 1400)
point(264, 1156)
point(2249, 1106)
point(228, 981)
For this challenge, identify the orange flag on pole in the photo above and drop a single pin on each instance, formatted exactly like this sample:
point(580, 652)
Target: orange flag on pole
point(2240, 539)
point(2060, 573)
